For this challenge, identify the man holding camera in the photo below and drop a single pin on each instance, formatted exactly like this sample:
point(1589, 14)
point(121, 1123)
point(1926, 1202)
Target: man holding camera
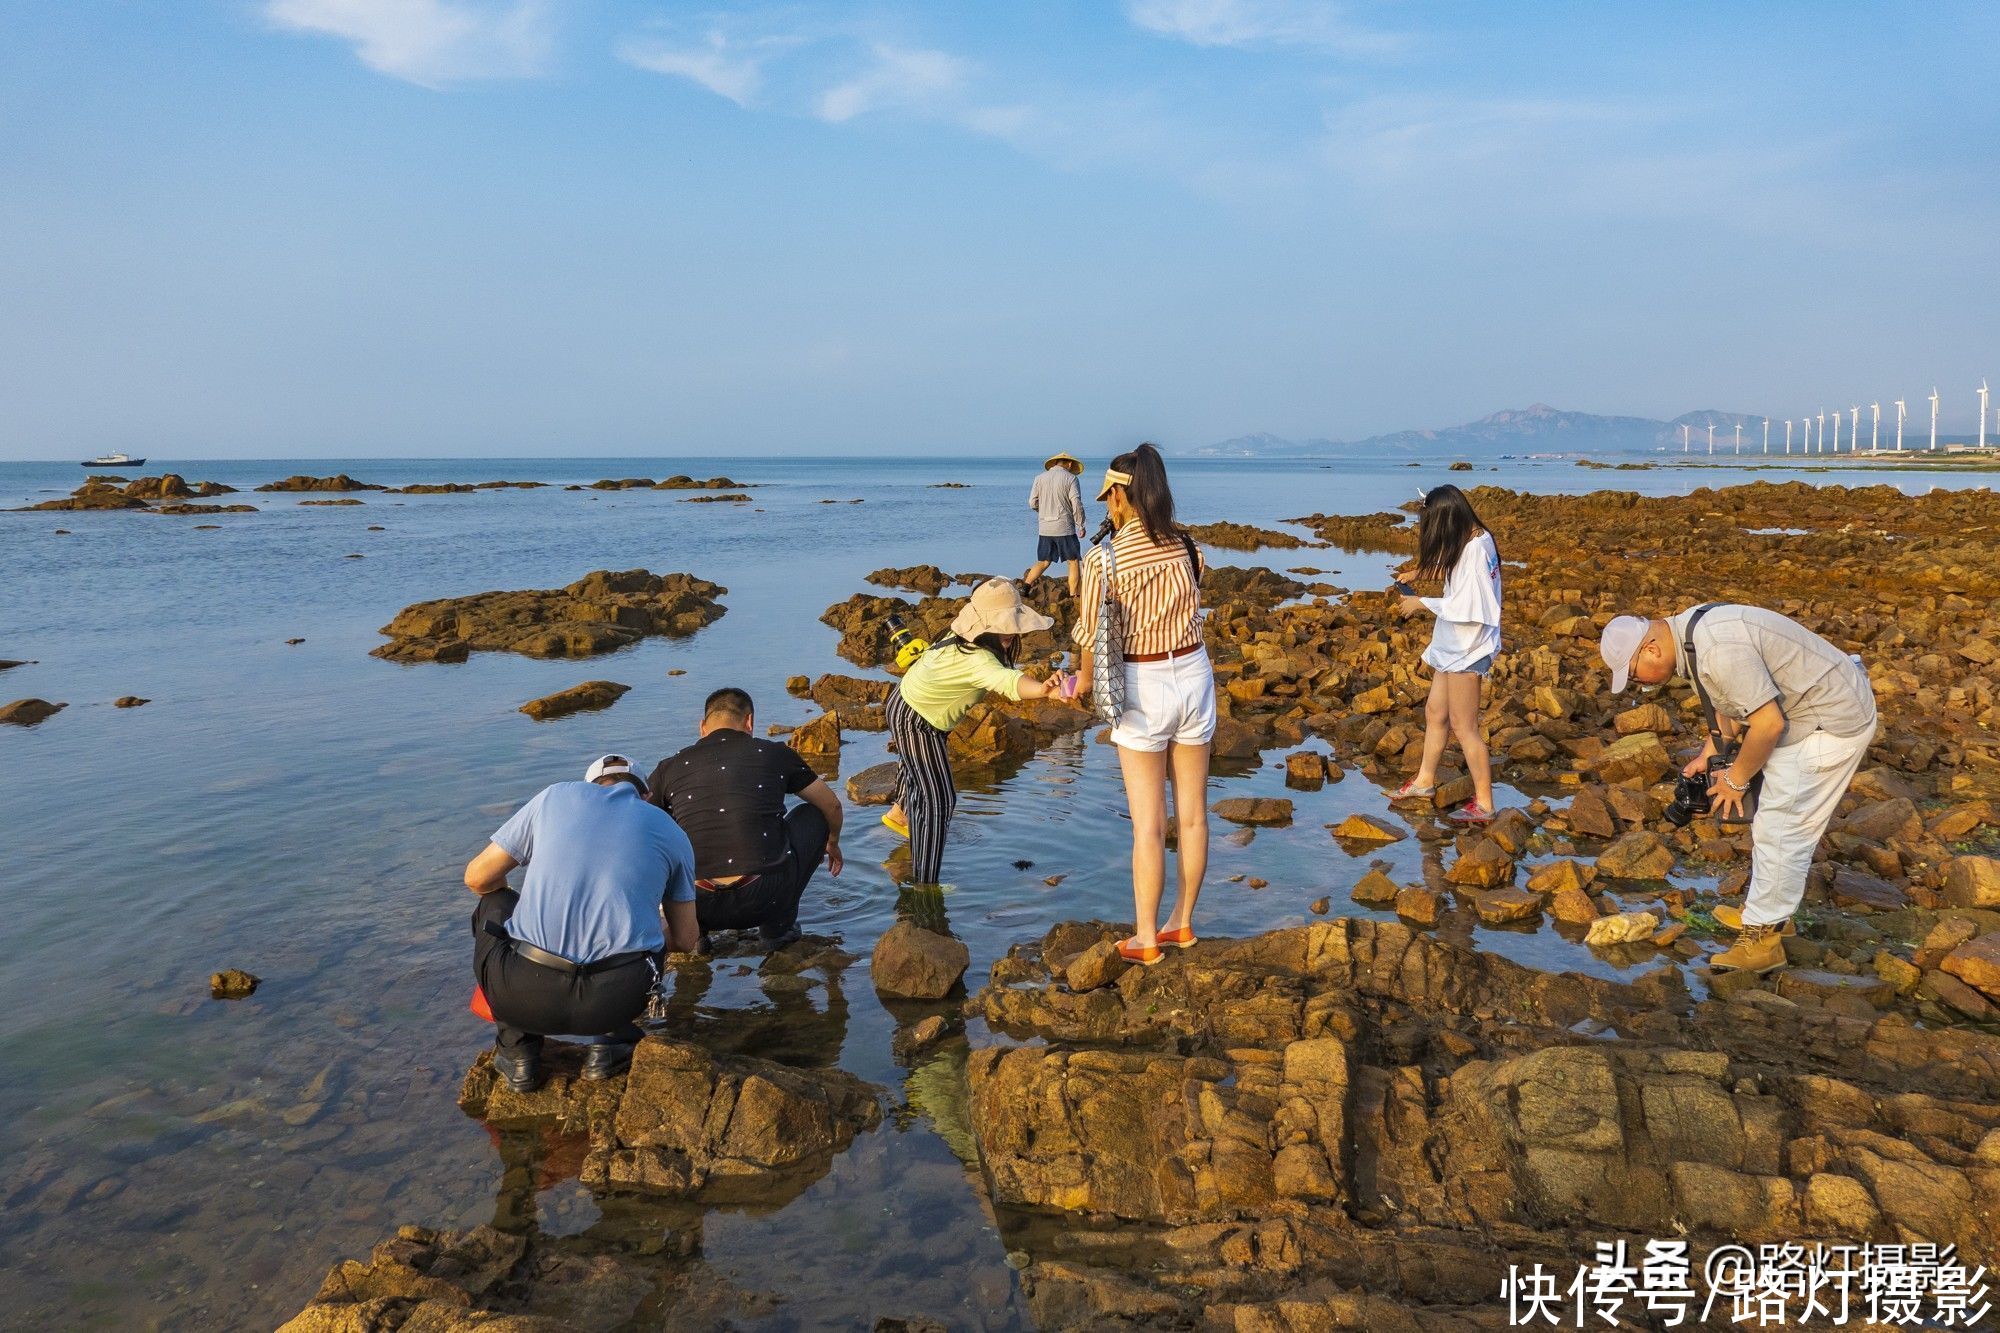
point(1790, 719)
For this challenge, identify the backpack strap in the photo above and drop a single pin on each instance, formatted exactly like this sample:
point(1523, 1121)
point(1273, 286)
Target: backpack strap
point(1194, 560)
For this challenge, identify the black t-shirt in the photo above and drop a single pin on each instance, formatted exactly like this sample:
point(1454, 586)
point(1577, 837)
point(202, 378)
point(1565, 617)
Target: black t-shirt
point(727, 792)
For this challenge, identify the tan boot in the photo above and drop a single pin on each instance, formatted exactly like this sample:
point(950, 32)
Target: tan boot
point(1730, 917)
point(1758, 949)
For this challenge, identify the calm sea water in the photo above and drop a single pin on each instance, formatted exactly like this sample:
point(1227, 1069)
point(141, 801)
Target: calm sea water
point(303, 812)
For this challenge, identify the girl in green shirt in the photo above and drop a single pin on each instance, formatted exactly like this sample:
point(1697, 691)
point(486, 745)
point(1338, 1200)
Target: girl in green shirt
point(976, 658)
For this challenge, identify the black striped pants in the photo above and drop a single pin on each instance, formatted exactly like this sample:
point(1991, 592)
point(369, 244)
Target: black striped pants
point(923, 788)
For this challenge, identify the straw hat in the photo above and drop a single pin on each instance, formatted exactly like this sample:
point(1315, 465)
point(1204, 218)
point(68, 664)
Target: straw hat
point(1070, 461)
point(995, 608)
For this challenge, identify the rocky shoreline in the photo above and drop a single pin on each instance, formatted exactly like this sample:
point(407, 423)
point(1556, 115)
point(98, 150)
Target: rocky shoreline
point(1362, 1122)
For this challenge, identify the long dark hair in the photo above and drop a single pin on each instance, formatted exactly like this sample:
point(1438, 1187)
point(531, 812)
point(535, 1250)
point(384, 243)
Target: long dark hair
point(1446, 525)
point(1001, 646)
point(1150, 496)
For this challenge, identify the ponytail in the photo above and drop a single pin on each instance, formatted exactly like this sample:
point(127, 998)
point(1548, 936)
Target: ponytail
point(1151, 498)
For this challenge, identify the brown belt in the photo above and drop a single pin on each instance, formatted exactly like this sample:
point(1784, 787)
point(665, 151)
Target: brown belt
point(1162, 657)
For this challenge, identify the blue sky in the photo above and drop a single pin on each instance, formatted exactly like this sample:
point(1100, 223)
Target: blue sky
point(420, 227)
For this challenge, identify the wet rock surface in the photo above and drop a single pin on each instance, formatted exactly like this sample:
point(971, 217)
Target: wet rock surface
point(1275, 1119)
point(1243, 537)
point(598, 613)
point(587, 697)
point(29, 712)
point(338, 482)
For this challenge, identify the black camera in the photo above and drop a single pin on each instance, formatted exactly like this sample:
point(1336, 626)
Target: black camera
point(1691, 796)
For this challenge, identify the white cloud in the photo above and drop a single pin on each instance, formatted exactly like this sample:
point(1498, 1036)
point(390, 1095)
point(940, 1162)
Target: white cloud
point(728, 66)
point(898, 77)
point(1314, 23)
point(430, 42)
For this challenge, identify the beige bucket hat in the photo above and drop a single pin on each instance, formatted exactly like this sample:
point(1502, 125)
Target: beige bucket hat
point(995, 608)
point(1070, 461)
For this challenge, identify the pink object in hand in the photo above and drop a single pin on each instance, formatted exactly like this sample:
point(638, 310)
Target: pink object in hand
point(1069, 685)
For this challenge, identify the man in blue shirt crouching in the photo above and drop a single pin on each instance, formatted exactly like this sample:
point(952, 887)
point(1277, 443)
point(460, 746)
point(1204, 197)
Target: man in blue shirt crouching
point(576, 951)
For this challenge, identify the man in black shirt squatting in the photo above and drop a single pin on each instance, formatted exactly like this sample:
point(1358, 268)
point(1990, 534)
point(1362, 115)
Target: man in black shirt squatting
point(727, 791)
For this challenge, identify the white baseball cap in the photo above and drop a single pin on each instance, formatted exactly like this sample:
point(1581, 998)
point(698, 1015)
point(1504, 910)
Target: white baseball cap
point(614, 766)
point(1619, 644)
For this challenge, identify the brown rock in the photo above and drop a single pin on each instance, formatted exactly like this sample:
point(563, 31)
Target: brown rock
point(1646, 717)
point(1590, 817)
point(1639, 757)
point(129, 701)
point(1418, 906)
point(821, 736)
point(1306, 770)
point(1485, 866)
point(596, 614)
point(1885, 821)
point(1557, 876)
point(1638, 855)
point(911, 963)
point(1623, 928)
point(1574, 906)
point(1977, 964)
point(1099, 965)
point(1969, 881)
point(29, 712)
point(231, 984)
point(1367, 829)
point(1501, 907)
point(1376, 889)
point(875, 785)
point(1377, 700)
point(587, 697)
point(339, 482)
point(1263, 811)
point(1320, 906)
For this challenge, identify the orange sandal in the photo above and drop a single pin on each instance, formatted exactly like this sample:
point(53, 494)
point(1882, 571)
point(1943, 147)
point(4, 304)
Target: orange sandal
point(1143, 955)
point(1184, 938)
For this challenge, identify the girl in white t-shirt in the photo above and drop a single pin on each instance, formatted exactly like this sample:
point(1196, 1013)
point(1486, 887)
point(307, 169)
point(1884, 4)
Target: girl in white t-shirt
point(1453, 545)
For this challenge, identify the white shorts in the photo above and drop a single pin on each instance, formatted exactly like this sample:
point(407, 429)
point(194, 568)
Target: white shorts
point(1172, 701)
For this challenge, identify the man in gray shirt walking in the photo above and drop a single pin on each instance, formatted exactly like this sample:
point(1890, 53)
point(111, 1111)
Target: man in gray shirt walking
point(1800, 713)
point(1058, 504)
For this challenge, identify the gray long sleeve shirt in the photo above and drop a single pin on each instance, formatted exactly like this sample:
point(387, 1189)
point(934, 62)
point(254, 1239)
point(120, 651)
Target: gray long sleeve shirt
point(1058, 502)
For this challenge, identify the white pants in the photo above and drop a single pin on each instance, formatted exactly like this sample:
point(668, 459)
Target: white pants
point(1171, 702)
point(1803, 784)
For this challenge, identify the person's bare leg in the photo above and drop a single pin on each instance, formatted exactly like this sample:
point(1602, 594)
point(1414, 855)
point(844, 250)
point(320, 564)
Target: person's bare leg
point(1034, 572)
point(1462, 692)
point(1073, 577)
point(1146, 797)
point(1190, 774)
point(1437, 731)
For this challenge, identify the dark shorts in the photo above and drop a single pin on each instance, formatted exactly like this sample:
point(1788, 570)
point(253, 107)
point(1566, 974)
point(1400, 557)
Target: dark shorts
point(1058, 550)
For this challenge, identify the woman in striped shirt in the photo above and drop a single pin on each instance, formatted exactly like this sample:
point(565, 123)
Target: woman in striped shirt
point(1169, 715)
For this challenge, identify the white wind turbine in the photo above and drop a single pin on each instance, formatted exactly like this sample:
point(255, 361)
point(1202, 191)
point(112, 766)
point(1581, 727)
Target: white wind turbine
point(1739, 431)
point(1900, 408)
point(1982, 413)
point(1711, 439)
point(1853, 428)
point(1934, 403)
point(1788, 437)
point(1684, 437)
point(1822, 432)
point(1767, 435)
point(1875, 430)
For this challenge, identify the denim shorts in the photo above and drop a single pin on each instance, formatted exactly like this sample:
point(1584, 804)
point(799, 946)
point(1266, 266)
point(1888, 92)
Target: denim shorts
point(1482, 666)
point(1058, 550)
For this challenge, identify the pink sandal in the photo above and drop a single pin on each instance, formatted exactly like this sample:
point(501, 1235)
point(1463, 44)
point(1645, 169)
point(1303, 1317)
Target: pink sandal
point(1410, 791)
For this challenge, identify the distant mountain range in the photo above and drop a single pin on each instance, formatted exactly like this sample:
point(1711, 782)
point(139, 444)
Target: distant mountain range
point(1535, 429)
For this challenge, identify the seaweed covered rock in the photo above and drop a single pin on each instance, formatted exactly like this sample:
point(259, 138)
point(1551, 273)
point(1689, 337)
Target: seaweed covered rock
point(338, 482)
point(596, 614)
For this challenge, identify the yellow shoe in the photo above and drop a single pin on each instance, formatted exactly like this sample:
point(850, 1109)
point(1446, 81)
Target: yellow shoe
point(1730, 917)
point(1758, 949)
point(899, 827)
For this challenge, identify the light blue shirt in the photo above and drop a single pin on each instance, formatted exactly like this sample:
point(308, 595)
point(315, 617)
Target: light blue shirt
point(600, 862)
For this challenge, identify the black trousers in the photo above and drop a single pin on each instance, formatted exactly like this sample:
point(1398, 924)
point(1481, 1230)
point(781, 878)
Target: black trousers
point(530, 1000)
point(772, 902)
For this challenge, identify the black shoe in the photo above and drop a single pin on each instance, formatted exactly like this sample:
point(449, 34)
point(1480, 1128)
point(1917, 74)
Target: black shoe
point(520, 1070)
point(607, 1059)
point(788, 936)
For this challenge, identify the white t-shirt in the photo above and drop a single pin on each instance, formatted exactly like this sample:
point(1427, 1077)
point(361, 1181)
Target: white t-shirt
point(1468, 615)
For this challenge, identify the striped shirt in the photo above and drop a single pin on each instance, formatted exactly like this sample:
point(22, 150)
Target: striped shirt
point(1156, 586)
